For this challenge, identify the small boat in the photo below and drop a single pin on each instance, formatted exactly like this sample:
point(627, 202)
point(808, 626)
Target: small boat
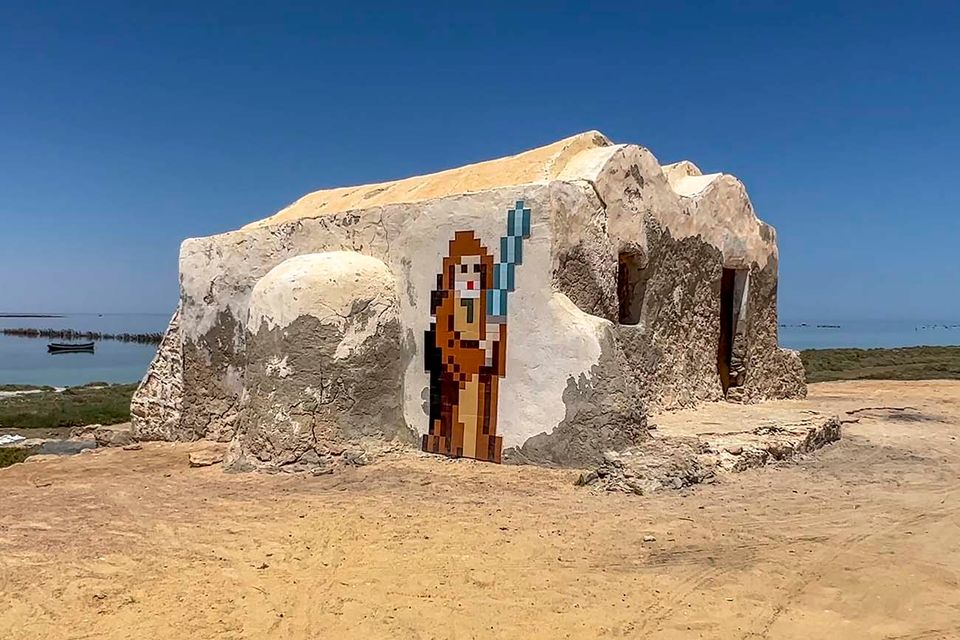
point(70, 347)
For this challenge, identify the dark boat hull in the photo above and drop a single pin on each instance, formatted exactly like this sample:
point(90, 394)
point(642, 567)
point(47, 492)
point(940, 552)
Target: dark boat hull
point(63, 347)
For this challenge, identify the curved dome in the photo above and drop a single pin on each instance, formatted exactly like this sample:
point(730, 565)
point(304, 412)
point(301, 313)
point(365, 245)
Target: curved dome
point(329, 286)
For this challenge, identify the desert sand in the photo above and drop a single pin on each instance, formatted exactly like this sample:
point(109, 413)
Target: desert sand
point(859, 540)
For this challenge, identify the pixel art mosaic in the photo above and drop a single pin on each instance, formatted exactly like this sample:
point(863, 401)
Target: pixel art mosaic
point(466, 344)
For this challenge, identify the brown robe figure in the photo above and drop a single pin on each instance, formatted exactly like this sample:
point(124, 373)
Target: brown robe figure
point(465, 353)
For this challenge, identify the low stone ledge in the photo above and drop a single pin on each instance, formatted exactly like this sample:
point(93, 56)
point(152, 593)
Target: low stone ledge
point(677, 458)
point(740, 451)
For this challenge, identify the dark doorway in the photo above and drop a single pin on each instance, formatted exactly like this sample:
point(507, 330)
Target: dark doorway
point(632, 276)
point(725, 349)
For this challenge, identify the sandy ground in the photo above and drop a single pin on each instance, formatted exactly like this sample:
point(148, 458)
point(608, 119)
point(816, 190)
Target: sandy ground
point(861, 540)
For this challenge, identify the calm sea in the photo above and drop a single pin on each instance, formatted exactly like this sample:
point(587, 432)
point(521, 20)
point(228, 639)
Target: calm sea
point(26, 361)
point(868, 334)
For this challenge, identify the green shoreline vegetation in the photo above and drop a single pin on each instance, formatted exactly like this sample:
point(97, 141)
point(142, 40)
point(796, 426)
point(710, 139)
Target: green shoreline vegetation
point(99, 402)
point(25, 387)
point(92, 403)
point(13, 455)
point(906, 363)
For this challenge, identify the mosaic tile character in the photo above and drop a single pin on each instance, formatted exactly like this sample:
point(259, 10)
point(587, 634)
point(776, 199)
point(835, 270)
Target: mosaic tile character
point(465, 346)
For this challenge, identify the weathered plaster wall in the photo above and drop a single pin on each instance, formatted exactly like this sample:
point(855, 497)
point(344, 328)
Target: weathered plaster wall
point(603, 411)
point(673, 350)
point(771, 372)
point(671, 354)
point(322, 377)
point(219, 275)
point(577, 381)
point(687, 227)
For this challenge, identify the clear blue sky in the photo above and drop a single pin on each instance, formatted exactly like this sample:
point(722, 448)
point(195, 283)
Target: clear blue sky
point(128, 126)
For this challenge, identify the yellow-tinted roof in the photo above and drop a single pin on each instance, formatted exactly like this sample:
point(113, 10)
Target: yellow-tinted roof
point(536, 165)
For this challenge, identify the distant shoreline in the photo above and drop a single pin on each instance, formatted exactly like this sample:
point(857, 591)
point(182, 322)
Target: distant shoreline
point(73, 334)
point(31, 315)
point(917, 327)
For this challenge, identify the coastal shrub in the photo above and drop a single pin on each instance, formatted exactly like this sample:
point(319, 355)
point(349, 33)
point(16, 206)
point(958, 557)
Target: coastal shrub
point(74, 407)
point(907, 363)
point(96, 383)
point(25, 387)
point(12, 455)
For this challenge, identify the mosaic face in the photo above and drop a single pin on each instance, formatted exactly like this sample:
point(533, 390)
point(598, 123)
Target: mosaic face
point(465, 346)
point(467, 277)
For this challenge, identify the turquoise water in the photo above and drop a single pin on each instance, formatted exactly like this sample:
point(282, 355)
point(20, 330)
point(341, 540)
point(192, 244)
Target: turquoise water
point(26, 361)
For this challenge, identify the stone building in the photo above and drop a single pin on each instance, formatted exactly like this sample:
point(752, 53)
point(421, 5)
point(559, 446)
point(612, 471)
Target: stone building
point(535, 308)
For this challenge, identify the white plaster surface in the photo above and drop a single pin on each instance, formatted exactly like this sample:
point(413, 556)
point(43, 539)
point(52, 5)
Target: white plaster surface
point(322, 285)
point(549, 339)
point(339, 288)
point(714, 207)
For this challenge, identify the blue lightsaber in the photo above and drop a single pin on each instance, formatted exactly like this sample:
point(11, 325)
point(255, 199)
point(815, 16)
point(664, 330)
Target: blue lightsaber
point(511, 255)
